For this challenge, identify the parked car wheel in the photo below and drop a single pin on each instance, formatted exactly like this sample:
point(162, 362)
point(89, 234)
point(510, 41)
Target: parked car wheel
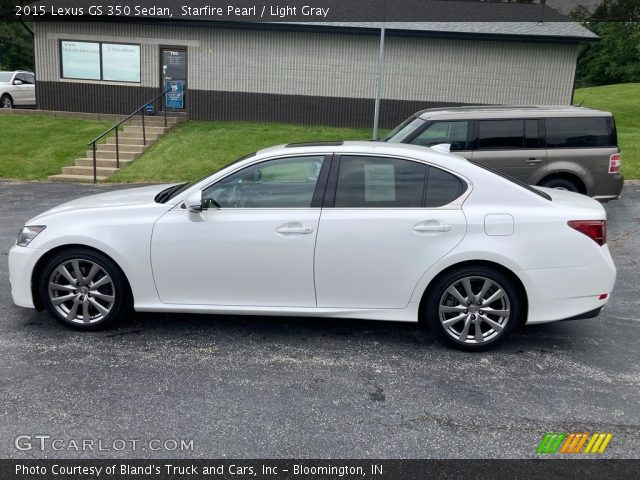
point(84, 289)
point(560, 184)
point(6, 101)
point(473, 308)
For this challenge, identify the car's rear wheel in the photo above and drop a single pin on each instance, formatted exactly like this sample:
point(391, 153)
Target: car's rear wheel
point(84, 289)
point(6, 101)
point(473, 308)
point(561, 184)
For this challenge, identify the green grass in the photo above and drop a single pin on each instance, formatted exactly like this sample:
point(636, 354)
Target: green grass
point(194, 149)
point(36, 146)
point(624, 101)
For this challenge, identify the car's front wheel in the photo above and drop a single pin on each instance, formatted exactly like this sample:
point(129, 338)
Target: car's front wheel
point(6, 101)
point(473, 308)
point(84, 289)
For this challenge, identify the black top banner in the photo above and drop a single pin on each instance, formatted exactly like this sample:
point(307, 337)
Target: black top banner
point(309, 11)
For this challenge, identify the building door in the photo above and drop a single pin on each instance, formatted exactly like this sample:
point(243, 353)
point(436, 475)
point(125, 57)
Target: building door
point(173, 74)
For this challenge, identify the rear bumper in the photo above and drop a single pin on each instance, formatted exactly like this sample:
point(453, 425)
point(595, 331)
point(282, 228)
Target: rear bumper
point(22, 261)
point(607, 186)
point(566, 293)
point(586, 315)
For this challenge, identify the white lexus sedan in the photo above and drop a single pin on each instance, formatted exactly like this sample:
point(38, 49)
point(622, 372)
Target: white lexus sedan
point(17, 89)
point(351, 230)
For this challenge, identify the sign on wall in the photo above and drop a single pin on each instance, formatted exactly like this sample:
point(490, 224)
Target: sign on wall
point(175, 97)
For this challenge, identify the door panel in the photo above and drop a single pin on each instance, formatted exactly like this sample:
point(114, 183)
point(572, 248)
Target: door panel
point(256, 257)
point(374, 258)
point(526, 165)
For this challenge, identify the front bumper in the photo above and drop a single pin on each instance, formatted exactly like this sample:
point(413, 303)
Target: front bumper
point(22, 261)
point(562, 293)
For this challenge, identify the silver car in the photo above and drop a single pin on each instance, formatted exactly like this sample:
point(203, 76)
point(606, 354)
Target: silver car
point(17, 89)
point(570, 148)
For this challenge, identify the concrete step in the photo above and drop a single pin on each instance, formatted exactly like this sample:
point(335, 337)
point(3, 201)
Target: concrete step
point(149, 136)
point(88, 171)
point(152, 121)
point(130, 140)
point(124, 155)
point(75, 178)
point(111, 147)
point(138, 129)
point(88, 162)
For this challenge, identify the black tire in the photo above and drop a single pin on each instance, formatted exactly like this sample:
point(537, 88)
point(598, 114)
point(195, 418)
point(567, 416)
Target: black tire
point(561, 184)
point(6, 101)
point(477, 274)
point(117, 287)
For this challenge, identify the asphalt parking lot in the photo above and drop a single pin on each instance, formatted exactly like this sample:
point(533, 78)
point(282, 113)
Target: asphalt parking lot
point(257, 387)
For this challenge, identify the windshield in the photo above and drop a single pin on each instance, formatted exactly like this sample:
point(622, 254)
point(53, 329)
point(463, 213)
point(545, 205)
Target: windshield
point(171, 192)
point(398, 134)
point(5, 76)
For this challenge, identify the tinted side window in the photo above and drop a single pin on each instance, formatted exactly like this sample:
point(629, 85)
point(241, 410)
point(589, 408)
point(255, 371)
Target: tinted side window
point(532, 137)
point(500, 134)
point(581, 132)
point(281, 183)
point(30, 79)
point(454, 133)
point(442, 188)
point(379, 182)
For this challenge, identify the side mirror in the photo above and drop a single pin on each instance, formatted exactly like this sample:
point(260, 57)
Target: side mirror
point(17, 82)
point(194, 202)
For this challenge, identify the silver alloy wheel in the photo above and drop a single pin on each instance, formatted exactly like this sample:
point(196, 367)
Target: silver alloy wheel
point(6, 102)
point(474, 309)
point(81, 291)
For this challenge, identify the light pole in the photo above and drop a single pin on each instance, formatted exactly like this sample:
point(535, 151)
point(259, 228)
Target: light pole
point(379, 78)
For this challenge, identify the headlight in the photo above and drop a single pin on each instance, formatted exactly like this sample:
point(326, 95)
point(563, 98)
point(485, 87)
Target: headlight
point(28, 233)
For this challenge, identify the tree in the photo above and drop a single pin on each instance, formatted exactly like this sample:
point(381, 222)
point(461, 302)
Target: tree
point(616, 57)
point(16, 47)
point(16, 43)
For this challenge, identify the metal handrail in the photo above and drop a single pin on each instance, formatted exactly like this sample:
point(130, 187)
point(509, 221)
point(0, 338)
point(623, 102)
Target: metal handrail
point(115, 127)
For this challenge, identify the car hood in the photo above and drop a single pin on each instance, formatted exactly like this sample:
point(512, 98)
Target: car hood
point(118, 198)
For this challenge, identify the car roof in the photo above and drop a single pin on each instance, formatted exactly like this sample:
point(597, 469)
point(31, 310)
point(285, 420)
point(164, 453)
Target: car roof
point(506, 111)
point(17, 71)
point(364, 148)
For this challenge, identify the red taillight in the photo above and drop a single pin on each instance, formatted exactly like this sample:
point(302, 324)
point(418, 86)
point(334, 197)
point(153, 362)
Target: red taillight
point(596, 230)
point(614, 163)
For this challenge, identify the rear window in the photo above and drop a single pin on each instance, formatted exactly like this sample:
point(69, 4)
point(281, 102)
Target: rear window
point(580, 132)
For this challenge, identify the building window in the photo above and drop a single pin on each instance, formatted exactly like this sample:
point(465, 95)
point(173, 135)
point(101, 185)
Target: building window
point(115, 62)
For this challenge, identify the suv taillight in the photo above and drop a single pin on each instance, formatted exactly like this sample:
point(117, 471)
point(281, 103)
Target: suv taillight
point(614, 163)
point(596, 230)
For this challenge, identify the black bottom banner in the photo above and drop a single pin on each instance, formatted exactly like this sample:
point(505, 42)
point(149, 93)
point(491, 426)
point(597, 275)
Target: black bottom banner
point(160, 469)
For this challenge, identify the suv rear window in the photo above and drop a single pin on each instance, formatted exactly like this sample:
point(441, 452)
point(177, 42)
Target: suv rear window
point(580, 132)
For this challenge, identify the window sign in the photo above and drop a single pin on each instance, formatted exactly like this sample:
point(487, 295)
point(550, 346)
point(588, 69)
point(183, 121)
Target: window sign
point(175, 96)
point(120, 62)
point(113, 62)
point(379, 183)
point(81, 60)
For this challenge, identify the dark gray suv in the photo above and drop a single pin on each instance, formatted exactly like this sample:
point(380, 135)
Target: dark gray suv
point(572, 148)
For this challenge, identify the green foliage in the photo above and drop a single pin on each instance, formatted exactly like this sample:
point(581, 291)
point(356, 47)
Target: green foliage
point(16, 47)
point(36, 146)
point(616, 57)
point(622, 101)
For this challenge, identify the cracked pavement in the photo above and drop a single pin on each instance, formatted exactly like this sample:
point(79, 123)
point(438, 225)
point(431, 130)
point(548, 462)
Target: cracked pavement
point(260, 387)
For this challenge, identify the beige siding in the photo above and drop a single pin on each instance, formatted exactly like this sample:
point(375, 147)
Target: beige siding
point(336, 65)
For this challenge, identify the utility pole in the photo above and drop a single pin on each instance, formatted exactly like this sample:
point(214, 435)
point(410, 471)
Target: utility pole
point(379, 77)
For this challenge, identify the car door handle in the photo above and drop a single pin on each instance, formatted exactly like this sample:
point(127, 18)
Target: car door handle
point(290, 230)
point(431, 227)
point(532, 161)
